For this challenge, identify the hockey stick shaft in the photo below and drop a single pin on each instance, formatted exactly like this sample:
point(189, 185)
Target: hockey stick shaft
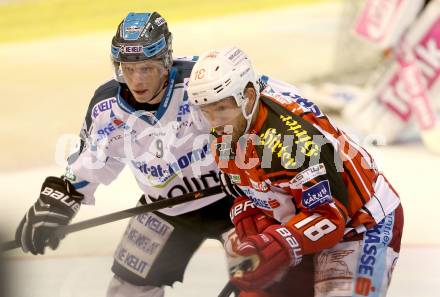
point(123, 214)
point(246, 264)
point(228, 290)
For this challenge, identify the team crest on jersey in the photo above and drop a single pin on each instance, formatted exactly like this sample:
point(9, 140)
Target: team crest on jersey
point(317, 195)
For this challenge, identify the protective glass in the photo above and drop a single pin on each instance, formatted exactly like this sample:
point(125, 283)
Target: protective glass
point(146, 69)
point(219, 113)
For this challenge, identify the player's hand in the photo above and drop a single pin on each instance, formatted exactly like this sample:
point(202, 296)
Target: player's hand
point(57, 205)
point(271, 254)
point(249, 219)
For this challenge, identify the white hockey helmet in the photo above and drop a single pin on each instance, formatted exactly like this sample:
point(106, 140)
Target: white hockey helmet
point(219, 74)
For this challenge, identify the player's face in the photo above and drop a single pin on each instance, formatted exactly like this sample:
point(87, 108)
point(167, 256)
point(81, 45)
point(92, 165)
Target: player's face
point(145, 79)
point(225, 117)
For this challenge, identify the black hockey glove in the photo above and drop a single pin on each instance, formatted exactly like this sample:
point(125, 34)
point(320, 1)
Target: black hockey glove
point(229, 187)
point(57, 205)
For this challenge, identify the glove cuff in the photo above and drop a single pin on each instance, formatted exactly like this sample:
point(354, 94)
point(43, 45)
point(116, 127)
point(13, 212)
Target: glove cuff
point(287, 238)
point(60, 193)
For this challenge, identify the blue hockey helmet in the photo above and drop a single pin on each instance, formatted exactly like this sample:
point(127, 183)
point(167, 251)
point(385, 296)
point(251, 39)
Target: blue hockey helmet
point(142, 36)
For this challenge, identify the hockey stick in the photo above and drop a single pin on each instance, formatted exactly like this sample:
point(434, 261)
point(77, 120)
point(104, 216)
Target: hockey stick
point(247, 264)
point(228, 290)
point(123, 214)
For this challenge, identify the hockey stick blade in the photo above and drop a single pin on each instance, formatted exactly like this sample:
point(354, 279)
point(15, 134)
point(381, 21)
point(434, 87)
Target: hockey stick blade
point(124, 214)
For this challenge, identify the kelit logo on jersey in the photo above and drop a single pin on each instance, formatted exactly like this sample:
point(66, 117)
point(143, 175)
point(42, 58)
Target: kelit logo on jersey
point(155, 224)
point(131, 261)
point(141, 241)
point(102, 106)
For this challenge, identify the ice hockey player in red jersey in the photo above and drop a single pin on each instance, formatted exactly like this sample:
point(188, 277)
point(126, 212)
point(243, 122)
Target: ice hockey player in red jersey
point(313, 213)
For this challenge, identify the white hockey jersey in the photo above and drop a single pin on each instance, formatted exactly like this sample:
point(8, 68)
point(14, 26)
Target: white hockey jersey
point(167, 153)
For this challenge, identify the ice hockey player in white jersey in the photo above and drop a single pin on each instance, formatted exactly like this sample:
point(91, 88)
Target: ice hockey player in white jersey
point(140, 119)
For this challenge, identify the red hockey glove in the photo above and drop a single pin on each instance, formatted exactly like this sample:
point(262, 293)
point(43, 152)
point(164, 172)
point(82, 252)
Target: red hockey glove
point(248, 219)
point(272, 253)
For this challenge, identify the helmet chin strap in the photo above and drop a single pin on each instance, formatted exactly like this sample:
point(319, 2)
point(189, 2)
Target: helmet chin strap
point(249, 116)
point(164, 85)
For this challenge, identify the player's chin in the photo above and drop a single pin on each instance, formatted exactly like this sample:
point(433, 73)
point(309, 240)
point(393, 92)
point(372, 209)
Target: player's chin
point(143, 97)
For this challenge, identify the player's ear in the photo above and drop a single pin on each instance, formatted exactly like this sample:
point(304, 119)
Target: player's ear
point(249, 92)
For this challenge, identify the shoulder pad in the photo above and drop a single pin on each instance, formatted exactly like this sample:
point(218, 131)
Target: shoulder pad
point(184, 67)
point(107, 91)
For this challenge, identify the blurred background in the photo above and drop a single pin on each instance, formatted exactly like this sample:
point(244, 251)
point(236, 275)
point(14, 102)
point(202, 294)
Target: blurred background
point(55, 53)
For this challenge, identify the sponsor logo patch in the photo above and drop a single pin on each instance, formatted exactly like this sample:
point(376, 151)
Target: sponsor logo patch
point(143, 241)
point(307, 175)
point(102, 106)
point(364, 286)
point(131, 49)
point(259, 186)
point(132, 29)
point(317, 195)
point(274, 203)
point(260, 203)
point(372, 258)
point(235, 178)
point(159, 21)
